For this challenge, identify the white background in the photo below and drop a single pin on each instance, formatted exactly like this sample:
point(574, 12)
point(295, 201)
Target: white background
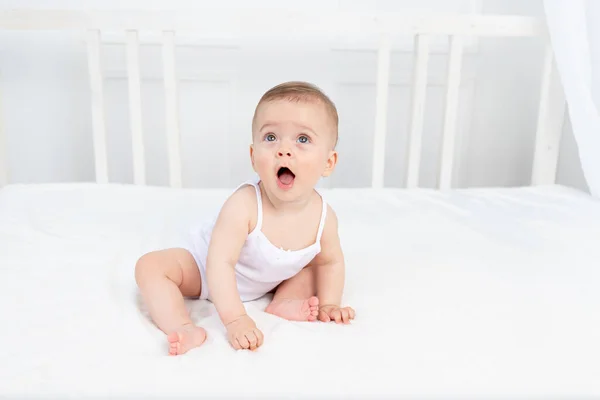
point(47, 120)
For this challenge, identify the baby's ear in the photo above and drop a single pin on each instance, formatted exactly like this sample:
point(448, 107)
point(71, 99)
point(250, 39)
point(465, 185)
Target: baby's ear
point(252, 155)
point(331, 163)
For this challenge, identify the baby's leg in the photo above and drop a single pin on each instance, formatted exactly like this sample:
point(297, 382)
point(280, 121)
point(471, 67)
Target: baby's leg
point(164, 278)
point(295, 298)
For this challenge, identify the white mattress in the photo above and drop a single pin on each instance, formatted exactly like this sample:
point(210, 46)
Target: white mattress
point(475, 293)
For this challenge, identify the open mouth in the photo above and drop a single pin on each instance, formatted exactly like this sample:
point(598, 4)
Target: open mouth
point(285, 177)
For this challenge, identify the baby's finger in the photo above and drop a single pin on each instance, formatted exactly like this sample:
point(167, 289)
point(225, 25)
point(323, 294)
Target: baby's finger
point(243, 341)
point(352, 313)
point(251, 339)
point(233, 341)
point(345, 316)
point(259, 336)
point(324, 317)
point(337, 316)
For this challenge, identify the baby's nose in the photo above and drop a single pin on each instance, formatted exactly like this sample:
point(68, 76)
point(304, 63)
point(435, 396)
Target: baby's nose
point(284, 152)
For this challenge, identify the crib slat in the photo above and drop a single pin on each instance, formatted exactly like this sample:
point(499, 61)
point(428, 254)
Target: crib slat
point(3, 149)
point(551, 114)
point(97, 98)
point(135, 107)
point(451, 112)
point(172, 109)
point(419, 89)
point(383, 72)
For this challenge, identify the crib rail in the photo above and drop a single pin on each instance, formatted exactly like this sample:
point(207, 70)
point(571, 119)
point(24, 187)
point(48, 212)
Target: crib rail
point(253, 22)
point(259, 21)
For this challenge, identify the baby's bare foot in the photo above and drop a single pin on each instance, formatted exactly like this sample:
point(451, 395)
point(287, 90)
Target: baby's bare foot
point(185, 338)
point(295, 310)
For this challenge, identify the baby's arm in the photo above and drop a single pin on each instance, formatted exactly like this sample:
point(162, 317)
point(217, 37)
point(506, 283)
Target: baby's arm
point(228, 237)
point(330, 272)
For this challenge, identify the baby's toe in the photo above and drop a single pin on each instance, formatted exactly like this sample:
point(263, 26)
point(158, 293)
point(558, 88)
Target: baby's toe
point(173, 337)
point(313, 302)
point(174, 341)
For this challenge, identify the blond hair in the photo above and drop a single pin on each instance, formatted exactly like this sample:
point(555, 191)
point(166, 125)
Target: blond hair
point(297, 91)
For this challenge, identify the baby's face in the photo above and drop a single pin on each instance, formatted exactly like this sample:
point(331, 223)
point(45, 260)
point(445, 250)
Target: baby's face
point(292, 147)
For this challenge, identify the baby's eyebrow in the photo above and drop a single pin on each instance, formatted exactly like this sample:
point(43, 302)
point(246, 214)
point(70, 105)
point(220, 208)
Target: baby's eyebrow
point(271, 123)
point(308, 129)
point(266, 125)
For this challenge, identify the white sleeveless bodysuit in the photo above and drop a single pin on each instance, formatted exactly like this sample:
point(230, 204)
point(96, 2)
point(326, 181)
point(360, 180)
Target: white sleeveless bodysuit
point(261, 265)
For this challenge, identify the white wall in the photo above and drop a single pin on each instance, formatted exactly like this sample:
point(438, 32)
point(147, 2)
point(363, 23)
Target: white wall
point(46, 110)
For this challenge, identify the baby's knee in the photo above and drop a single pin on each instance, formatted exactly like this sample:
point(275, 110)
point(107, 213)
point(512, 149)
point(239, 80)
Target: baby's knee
point(147, 266)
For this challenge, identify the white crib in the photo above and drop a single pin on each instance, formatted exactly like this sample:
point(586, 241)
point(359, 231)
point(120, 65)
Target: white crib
point(459, 292)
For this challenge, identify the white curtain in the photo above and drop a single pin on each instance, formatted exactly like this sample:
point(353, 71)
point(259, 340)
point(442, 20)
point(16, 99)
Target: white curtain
point(574, 28)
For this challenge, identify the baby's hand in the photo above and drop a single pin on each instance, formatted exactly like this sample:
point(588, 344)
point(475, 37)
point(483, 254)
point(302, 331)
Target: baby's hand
point(334, 313)
point(243, 334)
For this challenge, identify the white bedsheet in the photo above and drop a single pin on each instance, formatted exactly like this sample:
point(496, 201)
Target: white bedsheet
point(478, 293)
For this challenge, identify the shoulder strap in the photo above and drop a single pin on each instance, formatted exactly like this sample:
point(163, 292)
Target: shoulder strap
point(259, 216)
point(254, 183)
point(323, 217)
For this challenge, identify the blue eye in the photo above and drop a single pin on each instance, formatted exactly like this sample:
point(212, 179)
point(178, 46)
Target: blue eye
point(303, 139)
point(270, 137)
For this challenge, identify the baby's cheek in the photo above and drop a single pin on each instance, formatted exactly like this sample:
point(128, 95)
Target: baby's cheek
point(261, 161)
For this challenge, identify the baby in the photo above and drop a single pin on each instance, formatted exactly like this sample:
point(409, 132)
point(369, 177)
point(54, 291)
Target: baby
point(273, 233)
